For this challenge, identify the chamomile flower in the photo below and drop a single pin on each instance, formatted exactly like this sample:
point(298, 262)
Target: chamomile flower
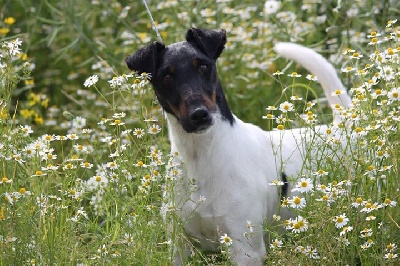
point(286, 107)
point(226, 240)
point(340, 220)
point(296, 98)
point(103, 251)
point(320, 173)
point(391, 247)
point(116, 81)
point(394, 94)
point(249, 226)
point(297, 202)
point(5, 180)
point(277, 73)
point(305, 185)
point(86, 165)
point(390, 256)
point(128, 239)
point(96, 182)
point(72, 136)
point(138, 132)
point(389, 202)
point(154, 129)
point(276, 243)
point(358, 202)
point(294, 75)
point(297, 225)
point(112, 165)
point(117, 122)
point(276, 182)
point(90, 81)
point(271, 6)
point(345, 230)
point(26, 129)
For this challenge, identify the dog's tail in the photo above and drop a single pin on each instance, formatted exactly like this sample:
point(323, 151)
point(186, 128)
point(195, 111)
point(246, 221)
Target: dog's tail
point(319, 67)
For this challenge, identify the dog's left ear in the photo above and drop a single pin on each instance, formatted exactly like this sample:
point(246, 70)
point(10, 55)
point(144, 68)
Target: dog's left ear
point(146, 59)
point(210, 42)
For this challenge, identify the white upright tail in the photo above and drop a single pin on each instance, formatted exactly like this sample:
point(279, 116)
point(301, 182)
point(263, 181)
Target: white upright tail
point(319, 67)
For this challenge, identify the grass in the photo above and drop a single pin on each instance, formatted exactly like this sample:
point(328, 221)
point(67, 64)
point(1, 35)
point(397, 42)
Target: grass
point(86, 174)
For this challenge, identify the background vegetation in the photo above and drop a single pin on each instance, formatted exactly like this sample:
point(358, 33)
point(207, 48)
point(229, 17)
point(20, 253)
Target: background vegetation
point(85, 173)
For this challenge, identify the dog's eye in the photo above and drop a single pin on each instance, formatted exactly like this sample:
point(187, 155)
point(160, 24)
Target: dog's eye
point(167, 78)
point(203, 68)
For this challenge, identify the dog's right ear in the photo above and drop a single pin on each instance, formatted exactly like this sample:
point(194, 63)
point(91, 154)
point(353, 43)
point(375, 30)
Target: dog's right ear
point(210, 42)
point(145, 59)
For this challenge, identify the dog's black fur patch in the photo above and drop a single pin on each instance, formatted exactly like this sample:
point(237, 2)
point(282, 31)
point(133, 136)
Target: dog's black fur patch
point(184, 76)
point(285, 186)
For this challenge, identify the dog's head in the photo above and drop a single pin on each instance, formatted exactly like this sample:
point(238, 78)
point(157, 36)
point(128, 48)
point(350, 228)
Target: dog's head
point(184, 77)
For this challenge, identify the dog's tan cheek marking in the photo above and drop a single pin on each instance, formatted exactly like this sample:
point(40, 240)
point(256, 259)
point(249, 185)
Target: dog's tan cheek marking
point(210, 102)
point(174, 109)
point(182, 111)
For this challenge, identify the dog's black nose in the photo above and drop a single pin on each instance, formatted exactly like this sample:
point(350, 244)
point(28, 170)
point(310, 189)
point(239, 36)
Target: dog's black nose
point(200, 116)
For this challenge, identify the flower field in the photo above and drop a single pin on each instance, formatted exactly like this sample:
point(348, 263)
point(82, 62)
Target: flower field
point(86, 177)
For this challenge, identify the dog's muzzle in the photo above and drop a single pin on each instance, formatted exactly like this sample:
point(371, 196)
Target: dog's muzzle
point(200, 117)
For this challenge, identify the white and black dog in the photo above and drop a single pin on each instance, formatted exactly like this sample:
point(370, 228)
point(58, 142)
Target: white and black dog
point(230, 162)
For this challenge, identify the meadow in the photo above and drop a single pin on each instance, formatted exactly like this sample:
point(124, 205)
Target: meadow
point(86, 177)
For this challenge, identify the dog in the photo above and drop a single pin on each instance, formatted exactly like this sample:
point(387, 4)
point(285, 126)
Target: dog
point(230, 162)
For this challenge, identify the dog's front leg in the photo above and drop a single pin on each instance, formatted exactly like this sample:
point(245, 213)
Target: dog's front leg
point(248, 251)
point(182, 255)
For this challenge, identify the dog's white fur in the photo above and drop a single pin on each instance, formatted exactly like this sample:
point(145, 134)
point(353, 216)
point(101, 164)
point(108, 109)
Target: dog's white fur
point(232, 166)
